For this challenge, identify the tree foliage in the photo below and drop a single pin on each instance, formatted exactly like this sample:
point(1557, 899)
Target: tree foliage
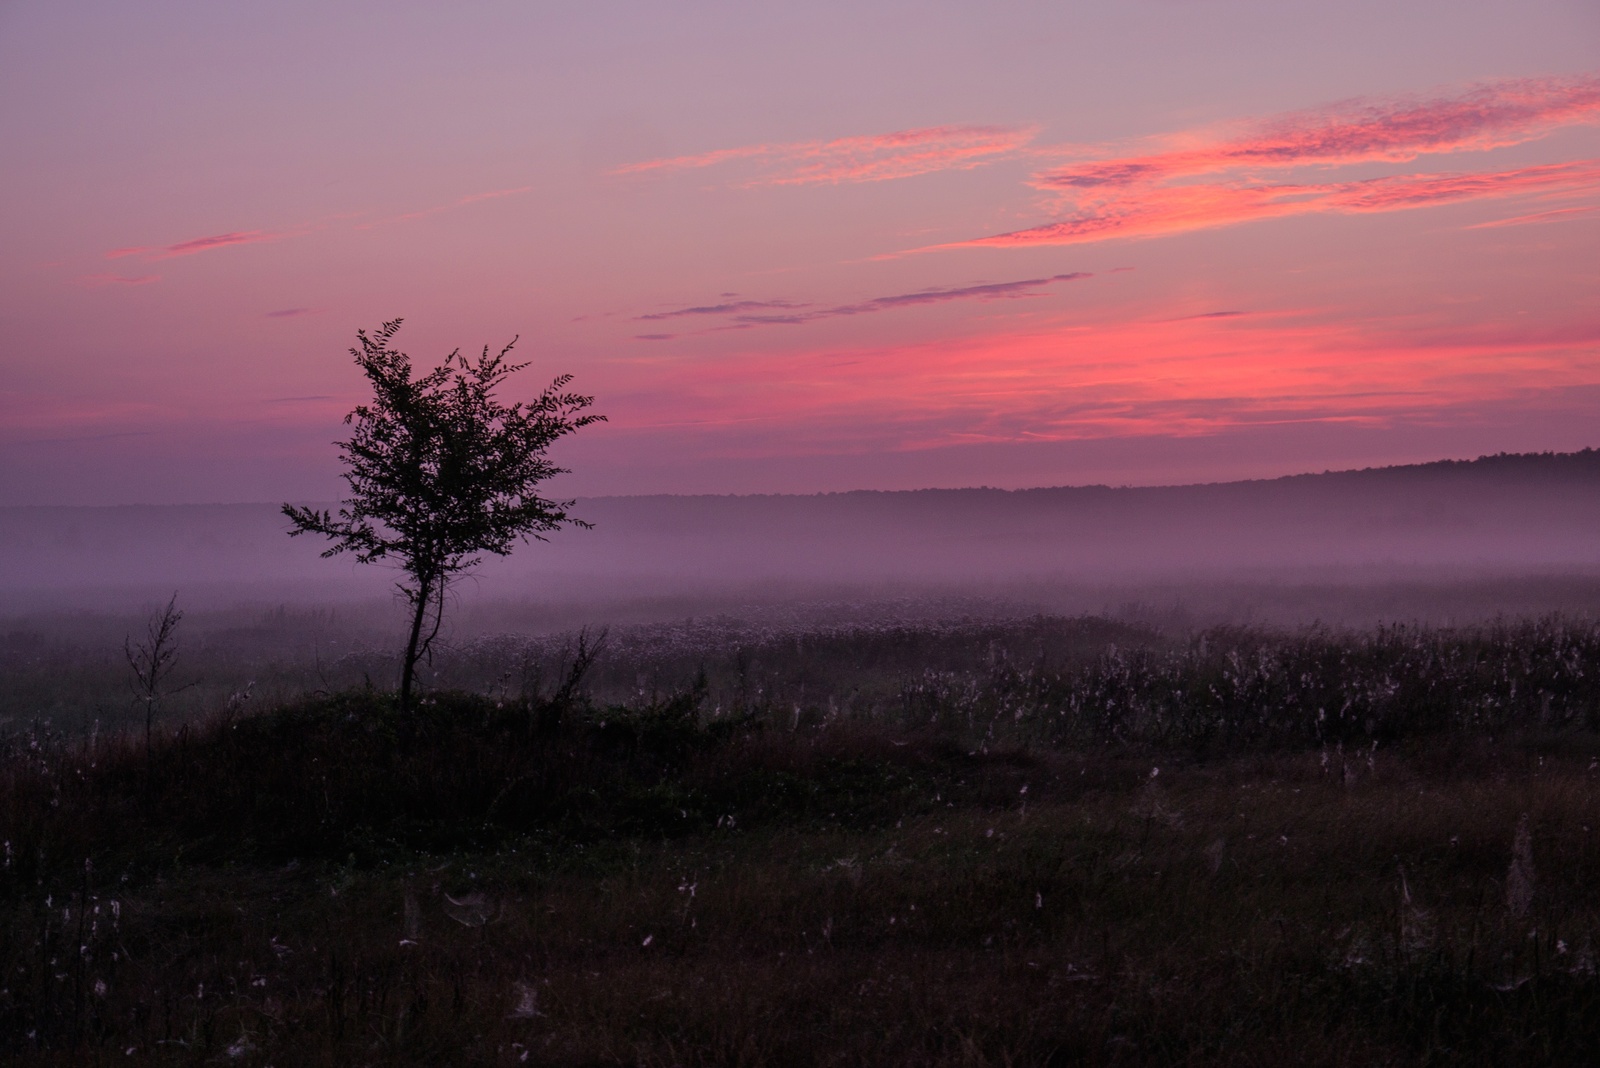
point(440, 472)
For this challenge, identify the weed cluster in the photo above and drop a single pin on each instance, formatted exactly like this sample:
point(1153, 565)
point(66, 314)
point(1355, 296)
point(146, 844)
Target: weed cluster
point(1093, 681)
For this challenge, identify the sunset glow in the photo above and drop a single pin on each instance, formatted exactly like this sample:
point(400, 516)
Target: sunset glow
point(1157, 242)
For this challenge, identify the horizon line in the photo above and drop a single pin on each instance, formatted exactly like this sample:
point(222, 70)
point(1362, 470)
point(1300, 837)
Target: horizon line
point(1587, 451)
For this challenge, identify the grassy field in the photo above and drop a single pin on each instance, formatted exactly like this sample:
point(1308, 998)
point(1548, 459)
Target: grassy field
point(1049, 841)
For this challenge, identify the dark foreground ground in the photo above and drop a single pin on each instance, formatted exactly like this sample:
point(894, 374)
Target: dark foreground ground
point(542, 880)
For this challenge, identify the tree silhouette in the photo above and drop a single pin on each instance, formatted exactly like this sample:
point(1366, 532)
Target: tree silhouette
point(441, 472)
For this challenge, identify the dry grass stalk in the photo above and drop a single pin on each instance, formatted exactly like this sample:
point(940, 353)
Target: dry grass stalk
point(1519, 880)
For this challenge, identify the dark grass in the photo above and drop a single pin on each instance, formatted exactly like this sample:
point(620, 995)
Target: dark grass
point(500, 880)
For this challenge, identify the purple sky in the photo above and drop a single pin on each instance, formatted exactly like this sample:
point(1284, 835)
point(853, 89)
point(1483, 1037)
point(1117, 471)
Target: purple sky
point(799, 248)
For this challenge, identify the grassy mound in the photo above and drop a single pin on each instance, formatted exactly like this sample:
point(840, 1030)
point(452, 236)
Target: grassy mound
point(351, 774)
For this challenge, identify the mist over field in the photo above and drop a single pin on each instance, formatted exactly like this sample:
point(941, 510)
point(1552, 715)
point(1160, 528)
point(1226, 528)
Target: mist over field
point(1441, 541)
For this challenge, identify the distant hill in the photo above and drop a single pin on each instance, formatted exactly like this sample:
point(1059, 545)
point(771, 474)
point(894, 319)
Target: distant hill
point(1503, 513)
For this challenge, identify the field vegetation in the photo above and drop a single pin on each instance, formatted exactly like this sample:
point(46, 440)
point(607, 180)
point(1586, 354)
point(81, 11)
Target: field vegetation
point(1032, 841)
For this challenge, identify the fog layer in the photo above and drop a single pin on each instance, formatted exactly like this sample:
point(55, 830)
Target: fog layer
point(1493, 520)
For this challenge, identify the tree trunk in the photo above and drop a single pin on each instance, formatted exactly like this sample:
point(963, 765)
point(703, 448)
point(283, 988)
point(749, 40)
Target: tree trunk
point(409, 670)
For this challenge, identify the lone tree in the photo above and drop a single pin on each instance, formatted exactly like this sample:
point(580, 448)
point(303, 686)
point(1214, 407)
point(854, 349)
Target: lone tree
point(441, 472)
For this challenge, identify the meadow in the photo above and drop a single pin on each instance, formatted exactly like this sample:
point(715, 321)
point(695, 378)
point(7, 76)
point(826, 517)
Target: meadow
point(980, 840)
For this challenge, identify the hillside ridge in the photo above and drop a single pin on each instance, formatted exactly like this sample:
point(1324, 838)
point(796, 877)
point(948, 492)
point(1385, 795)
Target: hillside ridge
point(1540, 465)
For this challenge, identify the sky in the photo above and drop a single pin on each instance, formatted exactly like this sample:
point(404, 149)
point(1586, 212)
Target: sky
point(801, 247)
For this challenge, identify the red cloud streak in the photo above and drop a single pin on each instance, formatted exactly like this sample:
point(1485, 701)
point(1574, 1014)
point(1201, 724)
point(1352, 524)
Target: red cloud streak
point(1488, 116)
point(1175, 377)
point(1177, 209)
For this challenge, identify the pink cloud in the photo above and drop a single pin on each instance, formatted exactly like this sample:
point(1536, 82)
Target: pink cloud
point(119, 280)
point(459, 202)
point(196, 245)
point(1183, 376)
point(1422, 190)
point(705, 159)
point(1537, 217)
point(1145, 195)
point(212, 242)
point(1488, 116)
point(215, 241)
point(1161, 210)
point(870, 158)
